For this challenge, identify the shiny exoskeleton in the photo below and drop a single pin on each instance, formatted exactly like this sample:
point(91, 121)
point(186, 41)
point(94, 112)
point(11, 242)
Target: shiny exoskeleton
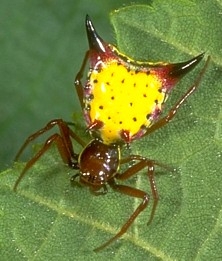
point(122, 101)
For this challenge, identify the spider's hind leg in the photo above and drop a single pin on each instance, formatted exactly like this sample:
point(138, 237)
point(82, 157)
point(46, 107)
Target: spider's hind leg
point(62, 141)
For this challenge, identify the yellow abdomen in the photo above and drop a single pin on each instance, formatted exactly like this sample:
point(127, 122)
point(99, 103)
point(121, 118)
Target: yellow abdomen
point(123, 98)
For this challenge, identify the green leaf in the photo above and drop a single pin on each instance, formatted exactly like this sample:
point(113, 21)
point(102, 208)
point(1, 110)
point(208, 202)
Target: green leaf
point(47, 219)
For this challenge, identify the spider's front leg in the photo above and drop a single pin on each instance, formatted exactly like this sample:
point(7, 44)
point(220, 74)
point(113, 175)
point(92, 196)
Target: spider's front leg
point(134, 192)
point(62, 141)
point(141, 164)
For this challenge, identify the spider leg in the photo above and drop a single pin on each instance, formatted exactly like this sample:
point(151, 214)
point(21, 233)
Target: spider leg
point(133, 192)
point(62, 141)
point(64, 130)
point(134, 169)
point(78, 83)
point(162, 122)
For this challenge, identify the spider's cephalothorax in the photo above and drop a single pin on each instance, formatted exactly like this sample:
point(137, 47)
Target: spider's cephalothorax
point(122, 101)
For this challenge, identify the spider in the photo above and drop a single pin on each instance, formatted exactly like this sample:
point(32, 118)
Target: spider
point(121, 100)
